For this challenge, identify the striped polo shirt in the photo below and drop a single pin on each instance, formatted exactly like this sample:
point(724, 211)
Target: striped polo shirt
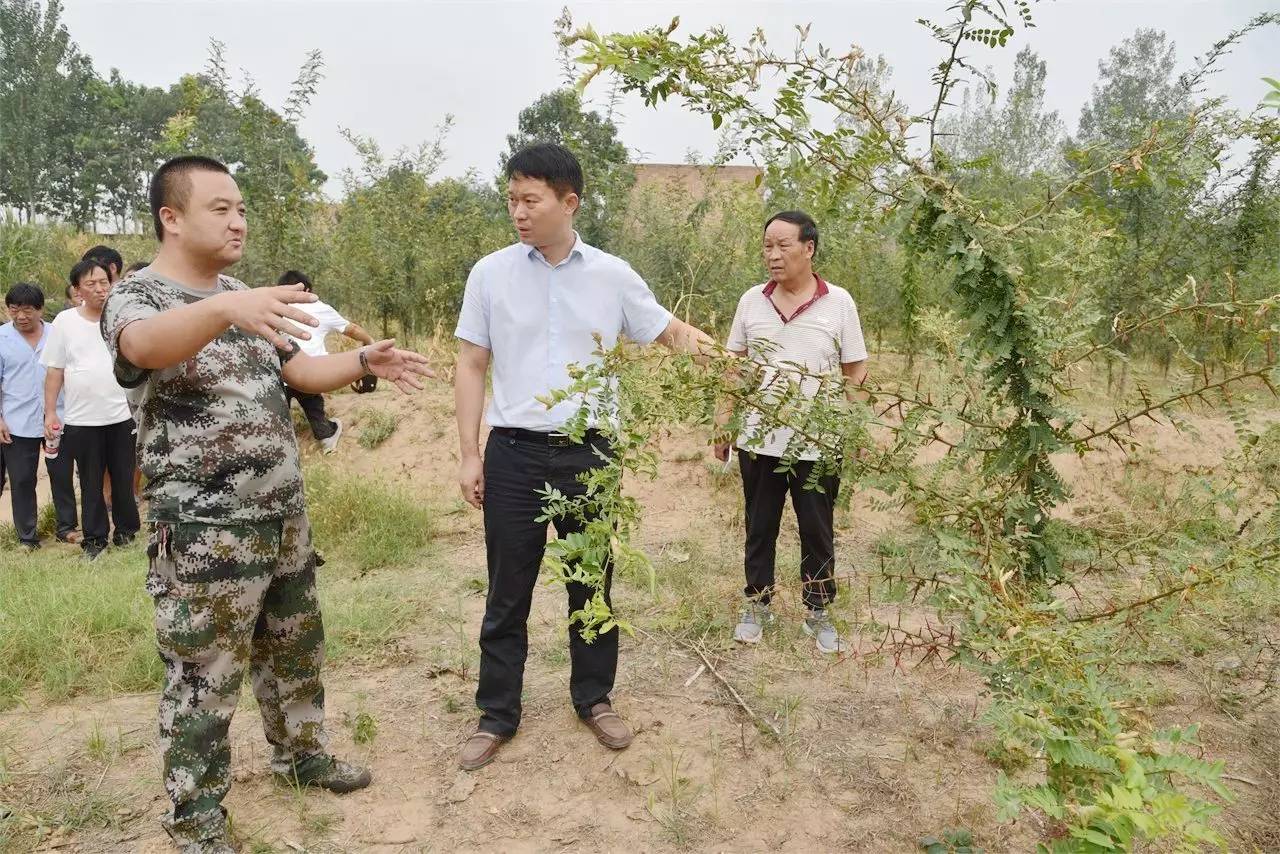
point(819, 337)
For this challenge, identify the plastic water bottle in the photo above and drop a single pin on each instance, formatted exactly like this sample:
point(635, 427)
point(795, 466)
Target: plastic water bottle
point(51, 445)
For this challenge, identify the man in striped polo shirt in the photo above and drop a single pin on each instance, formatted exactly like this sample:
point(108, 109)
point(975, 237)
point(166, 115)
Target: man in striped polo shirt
point(794, 319)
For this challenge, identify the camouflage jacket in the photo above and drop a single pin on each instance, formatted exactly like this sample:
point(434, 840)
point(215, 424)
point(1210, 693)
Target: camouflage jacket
point(215, 439)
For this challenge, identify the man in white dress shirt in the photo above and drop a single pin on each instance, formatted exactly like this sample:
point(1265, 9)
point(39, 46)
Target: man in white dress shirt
point(532, 309)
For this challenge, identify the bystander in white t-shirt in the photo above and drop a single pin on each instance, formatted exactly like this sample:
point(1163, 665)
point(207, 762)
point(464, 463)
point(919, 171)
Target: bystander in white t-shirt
point(330, 321)
point(92, 396)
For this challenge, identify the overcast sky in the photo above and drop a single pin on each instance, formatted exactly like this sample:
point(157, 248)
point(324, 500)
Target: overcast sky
point(393, 70)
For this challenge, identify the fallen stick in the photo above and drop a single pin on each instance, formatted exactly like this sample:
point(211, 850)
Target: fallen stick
point(733, 692)
point(702, 668)
point(1240, 779)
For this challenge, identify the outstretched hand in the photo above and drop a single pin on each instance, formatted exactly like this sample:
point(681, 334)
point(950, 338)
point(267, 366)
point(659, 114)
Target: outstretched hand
point(269, 312)
point(402, 367)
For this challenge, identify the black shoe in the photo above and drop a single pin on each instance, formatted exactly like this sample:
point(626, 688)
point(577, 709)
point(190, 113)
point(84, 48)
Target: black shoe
point(326, 772)
point(93, 551)
point(119, 539)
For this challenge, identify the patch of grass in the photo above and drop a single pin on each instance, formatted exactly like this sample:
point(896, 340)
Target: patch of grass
point(47, 521)
point(363, 617)
point(46, 527)
point(60, 801)
point(671, 802)
point(686, 604)
point(366, 524)
point(68, 627)
point(364, 727)
point(376, 427)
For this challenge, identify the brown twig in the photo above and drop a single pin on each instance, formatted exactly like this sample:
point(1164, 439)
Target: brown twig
point(733, 692)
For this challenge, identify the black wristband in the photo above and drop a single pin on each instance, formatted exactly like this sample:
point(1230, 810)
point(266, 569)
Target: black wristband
point(364, 362)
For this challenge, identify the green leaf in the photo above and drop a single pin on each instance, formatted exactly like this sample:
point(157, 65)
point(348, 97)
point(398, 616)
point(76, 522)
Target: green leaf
point(1099, 839)
point(716, 121)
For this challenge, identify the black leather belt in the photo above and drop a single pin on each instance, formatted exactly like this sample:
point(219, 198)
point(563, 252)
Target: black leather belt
point(555, 440)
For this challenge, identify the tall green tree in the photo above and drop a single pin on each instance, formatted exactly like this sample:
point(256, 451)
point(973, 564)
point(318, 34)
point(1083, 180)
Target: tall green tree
point(404, 243)
point(44, 107)
point(274, 166)
point(130, 124)
point(1018, 136)
point(1136, 87)
point(1138, 97)
point(560, 117)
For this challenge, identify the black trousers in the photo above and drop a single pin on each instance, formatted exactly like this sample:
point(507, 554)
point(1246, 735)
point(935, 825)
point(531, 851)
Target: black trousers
point(514, 471)
point(21, 458)
point(110, 448)
point(766, 491)
point(313, 407)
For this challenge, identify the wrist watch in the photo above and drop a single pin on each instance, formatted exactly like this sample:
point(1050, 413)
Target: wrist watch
point(364, 362)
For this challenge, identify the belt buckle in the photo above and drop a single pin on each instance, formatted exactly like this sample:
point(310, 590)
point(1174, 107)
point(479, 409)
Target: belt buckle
point(558, 440)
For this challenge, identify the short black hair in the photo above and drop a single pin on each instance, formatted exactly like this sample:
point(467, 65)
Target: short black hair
point(136, 266)
point(84, 268)
point(808, 228)
point(25, 293)
point(171, 185)
point(550, 162)
point(295, 277)
point(106, 256)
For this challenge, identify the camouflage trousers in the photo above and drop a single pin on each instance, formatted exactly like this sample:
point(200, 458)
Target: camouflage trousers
point(231, 598)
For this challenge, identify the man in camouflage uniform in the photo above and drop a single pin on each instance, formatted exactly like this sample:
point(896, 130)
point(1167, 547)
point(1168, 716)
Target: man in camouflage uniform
point(232, 565)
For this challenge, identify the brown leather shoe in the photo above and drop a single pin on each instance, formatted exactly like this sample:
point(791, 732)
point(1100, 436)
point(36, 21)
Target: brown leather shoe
point(73, 537)
point(480, 750)
point(609, 727)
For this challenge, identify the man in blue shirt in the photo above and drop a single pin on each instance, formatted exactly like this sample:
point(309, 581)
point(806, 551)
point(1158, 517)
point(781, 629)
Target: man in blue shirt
point(22, 342)
point(533, 309)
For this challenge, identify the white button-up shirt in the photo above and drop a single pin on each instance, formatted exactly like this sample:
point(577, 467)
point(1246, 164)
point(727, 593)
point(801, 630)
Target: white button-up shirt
point(536, 320)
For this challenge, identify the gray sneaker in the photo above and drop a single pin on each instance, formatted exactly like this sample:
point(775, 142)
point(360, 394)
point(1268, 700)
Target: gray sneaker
point(329, 445)
point(817, 625)
point(215, 845)
point(755, 616)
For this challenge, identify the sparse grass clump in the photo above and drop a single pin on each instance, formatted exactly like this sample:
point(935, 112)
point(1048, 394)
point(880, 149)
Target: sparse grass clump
point(377, 427)
point(365, 523)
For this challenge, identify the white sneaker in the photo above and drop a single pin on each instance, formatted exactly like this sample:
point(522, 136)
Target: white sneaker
point(330, 445)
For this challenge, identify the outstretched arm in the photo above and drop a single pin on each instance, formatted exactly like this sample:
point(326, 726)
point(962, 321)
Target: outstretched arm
point(317, 374)
point(356, 332)
point(683, 338)
point(171, 337)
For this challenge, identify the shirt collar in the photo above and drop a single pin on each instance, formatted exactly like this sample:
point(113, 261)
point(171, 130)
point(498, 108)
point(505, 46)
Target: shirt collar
point(579, 249)
point(12, 331)
point(821, 290)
